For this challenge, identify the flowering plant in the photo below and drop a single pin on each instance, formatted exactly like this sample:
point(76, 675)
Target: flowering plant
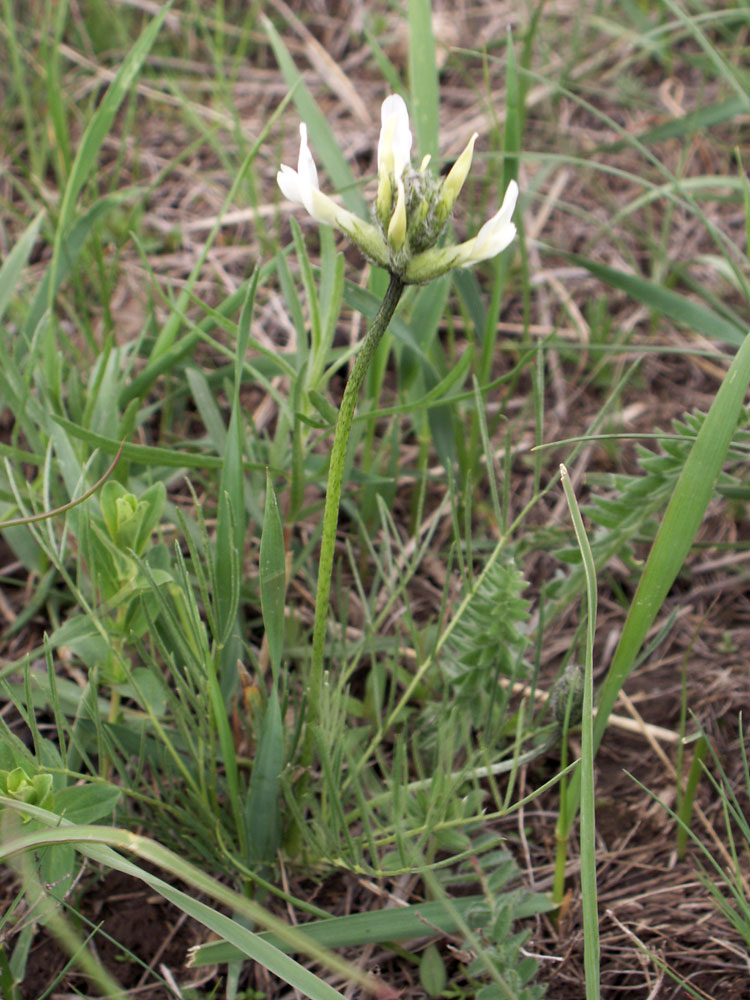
point(412, 206)
point(412, 209)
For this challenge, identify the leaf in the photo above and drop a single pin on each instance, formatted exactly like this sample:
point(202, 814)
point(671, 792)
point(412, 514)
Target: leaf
point(96, 132)
point(93, 841)
point(86, 803)
point(678, 529)
point(677, 307)
point(432, 973)
point(693, 123)
point(423, 77)
point(273, 577)
point(379, 926)
point(74, 241)
point(231, 518)
point(513, 118)
point(15, 262)
point(262, 813)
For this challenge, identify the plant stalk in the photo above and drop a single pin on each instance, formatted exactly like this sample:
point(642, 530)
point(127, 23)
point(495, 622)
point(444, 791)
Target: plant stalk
point(333, 494)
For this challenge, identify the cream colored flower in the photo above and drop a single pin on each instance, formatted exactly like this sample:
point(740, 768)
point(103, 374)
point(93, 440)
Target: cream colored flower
point(301, 186)
point(495, 235)
point(394, 144)
point(412, 206)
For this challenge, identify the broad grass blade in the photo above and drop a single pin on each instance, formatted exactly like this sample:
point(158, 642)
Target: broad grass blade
point(273, 577)
point(15, 262)
point(423, 77)
point(96, 842)
point(231, 520)
point(377, 926)
point(662, 300)
point(675, 536)
point(263, 815)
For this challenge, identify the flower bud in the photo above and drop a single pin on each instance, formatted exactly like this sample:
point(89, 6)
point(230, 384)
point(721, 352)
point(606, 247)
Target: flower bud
point(455, 180)
point(397, 225)
point(411, 207)
point(568, 689)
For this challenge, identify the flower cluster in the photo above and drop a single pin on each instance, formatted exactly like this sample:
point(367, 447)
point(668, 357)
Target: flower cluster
point(412, 206)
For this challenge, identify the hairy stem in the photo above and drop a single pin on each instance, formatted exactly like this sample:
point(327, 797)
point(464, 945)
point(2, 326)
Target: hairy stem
point(333, 492)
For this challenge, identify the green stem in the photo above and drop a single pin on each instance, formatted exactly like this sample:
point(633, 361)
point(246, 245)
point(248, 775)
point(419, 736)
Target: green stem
point(333, 492)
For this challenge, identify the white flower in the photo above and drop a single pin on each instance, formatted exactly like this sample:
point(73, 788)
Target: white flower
point(394, 156)
point(495, 235)
point(394, 145)
point(301, 186)
point(412, 206)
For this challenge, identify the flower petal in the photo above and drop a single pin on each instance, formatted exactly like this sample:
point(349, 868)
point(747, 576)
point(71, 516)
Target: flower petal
point(306, 171)
point(457, 175)
point(324, 209)
point(498, 232)
point(288, 181)
point(394, 145)
point(397, 225)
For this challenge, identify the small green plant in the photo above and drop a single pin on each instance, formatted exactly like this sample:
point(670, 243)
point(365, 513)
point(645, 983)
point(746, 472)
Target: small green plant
point(412, 210)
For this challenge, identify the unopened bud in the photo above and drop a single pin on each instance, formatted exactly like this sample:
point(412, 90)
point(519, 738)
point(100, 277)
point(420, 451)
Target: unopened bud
point(568, 689)
point(397, 225)
point(455, 180)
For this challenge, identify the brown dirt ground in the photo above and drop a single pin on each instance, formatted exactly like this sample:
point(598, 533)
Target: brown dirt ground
point(655, 915)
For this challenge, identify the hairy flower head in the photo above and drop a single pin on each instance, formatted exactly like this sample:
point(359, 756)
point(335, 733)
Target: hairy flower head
point(412, 206)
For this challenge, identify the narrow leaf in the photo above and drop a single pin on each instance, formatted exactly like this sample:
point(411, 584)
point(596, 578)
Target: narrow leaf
point(677, 307)
point(273, 577)
point(15, 262)
point(675, 537)
point(263, 813)
point(423, 77)
point(97, 131)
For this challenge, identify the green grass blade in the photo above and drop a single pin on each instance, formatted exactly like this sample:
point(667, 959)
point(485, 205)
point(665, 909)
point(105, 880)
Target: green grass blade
point(423, 78)
point(96, 842)
point(377, 926)
point(671, 304)
point(141, 453)
point(513, 118)
point(97, 131)
point(693, 123)
point(63, 266)
point(588, 752)
point(263, 813)
point(204, 397)
point(16, 261)
point(686, 800)
point(724, 69)
point(321, 133)
point(675, 537)
point(273, 577)
point(231, 519)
